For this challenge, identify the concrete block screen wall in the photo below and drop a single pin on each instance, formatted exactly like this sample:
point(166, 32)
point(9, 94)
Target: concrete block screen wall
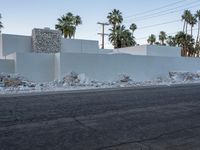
point(46, 41)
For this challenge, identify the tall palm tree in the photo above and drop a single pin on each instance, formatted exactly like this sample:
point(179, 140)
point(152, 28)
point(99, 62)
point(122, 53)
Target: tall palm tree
point(127, 39)
point(162, 37)
point(1, 25)
point(197, 15)
point(121, 37)
point(186, 42)
point(183, 18)
point(67, 25)
point(152, 39)
point(114, 36)
point(186, 17)
point(171, 41)
point(192, 22)
point(133, 27)
point(115, 17)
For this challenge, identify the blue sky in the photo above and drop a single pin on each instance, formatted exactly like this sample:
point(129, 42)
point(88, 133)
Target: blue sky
point(21, 16)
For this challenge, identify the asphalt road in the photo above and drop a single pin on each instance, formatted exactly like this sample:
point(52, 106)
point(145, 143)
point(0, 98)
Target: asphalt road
point(154, 118)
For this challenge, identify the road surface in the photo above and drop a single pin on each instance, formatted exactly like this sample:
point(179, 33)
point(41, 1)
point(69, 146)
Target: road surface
point(152, 118)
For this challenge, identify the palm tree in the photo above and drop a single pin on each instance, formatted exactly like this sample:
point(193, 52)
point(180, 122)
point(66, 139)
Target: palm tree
point(183, 18)
point(67, 25)
point(115, 17)
point(186, 17)
point(192, 22)
point(133, 27)
point(162, 37)
point(186, 42)
point(127, 39)
point(121, 37)
point(197, 15)
point(1, 26)
point(171, 41)
point(152, 39)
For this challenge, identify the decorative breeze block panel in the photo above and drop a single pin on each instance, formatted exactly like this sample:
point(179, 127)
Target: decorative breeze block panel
point(46, 41)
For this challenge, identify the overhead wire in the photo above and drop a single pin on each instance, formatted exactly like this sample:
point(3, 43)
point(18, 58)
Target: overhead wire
point(155, 9)
point(159, 24)
point(166, 12)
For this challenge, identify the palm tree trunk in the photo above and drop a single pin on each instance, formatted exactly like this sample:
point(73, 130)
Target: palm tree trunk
point(184, 27)
point(115, 40)
point(185, 47)
point(197, 40)
point(191, 30)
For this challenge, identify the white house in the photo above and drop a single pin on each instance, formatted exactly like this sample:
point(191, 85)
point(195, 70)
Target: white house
point(45, 56)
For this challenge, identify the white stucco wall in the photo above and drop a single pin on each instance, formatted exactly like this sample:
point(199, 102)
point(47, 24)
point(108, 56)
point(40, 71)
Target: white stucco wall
point(1, 47)
point(57, 66)
point(15, 43)
point(79, 46)
point(103, 67)
point(7, 66)
point(35, 66)
point(135, 50)
point(151, 50)
point(168, 51)
point(107, 67)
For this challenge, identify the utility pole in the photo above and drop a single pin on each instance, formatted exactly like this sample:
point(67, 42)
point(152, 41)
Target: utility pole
point(103, 32)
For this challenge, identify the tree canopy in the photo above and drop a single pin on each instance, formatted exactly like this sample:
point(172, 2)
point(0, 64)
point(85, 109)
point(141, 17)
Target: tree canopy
point(67, 24)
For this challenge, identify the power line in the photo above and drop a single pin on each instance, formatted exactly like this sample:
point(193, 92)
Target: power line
point(149, 15)
point(141, 19)
point(155, 9)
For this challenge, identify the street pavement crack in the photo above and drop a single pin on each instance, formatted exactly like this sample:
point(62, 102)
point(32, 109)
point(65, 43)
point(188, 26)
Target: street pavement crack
point(82, 124)
point(147, 139)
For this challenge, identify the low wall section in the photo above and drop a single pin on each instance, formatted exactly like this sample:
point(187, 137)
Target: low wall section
point(35, 66)
point(107, 67)
point(7, 66)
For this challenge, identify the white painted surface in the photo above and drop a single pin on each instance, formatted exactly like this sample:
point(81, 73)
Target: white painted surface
point(151, 50)
point(1, 47)
point(107, 67)
point(7, 66)
point(155, 50)
point(135, 50)
point(35, 66)
point(102, 67)
point(79, 46)
point(15, 43)
point(57, 66)
point(105, 51)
